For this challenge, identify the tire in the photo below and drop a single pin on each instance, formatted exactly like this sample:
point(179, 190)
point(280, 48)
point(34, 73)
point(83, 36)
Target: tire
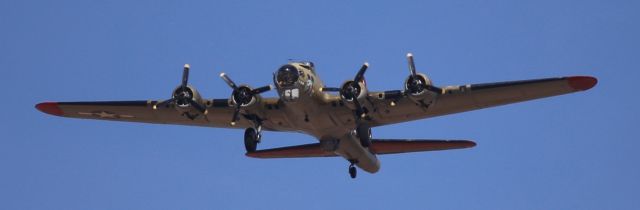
point(353, 172)
point(250, 139)
point(364, 134)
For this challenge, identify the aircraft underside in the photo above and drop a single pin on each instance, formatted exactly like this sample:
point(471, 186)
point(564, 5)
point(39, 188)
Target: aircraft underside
point(340, 118)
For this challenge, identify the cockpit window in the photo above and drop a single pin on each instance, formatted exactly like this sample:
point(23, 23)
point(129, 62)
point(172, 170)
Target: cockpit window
point(287, 76)
point(307, 65)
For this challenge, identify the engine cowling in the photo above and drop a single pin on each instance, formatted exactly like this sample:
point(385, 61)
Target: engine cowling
point(244, 96)
point(184, 98)
point(420, 89)
point(351, 91)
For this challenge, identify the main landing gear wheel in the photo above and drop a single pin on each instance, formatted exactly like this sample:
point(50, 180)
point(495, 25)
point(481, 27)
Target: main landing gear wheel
point(352, 170)
point(364, 134)
point(251, 139)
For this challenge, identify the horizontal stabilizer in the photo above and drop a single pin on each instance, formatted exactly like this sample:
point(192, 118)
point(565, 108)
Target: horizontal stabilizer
point(393, 146)
point(299, 151)
point(378, 146)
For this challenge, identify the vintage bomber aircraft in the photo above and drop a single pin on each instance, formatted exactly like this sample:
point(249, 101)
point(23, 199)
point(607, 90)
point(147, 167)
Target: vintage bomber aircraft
point(341, 122)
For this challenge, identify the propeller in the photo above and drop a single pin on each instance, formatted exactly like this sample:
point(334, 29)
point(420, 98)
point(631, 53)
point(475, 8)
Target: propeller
point(183, 95)
point(242, 95)
point(416, 83)
point(352, 89)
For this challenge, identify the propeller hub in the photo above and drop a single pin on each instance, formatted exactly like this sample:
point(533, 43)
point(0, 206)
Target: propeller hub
point(183, 96)
point(350, 90)
point(243, 95)
point(416, 84)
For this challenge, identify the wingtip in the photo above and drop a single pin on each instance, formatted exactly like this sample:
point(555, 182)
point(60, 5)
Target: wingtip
point(581, 83)
point(50, 108)
point(470, 144)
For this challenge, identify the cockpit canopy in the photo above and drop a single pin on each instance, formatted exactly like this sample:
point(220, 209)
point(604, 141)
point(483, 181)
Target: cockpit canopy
point(287, 76)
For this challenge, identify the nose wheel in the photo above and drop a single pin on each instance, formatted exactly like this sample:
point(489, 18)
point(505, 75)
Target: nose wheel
point(352, 169)
point(251, 139)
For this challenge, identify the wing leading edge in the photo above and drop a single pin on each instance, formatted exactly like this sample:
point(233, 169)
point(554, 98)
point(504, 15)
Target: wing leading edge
point(378, 146)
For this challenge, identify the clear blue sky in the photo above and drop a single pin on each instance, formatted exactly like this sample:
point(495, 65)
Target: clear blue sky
point(576, 151)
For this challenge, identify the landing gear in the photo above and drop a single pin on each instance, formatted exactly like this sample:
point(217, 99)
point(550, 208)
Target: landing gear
point(364, 134)
point(352, 169)
point(251, 139)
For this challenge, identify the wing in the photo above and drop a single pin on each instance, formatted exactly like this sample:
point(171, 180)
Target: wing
point(455, 99)
point(219, 113)
point(378, 146)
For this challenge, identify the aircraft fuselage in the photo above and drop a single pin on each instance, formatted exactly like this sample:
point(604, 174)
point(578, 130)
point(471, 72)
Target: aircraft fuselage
point(317, 113)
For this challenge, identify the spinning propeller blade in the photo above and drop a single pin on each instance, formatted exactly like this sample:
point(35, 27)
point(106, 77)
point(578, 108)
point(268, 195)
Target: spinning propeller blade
point(185, 75)
point(188, 97)
point(360, 74)
point(228, 81)
point(242, 95)
point(412, 65)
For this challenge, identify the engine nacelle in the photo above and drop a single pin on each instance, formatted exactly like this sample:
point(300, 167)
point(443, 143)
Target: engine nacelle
point(244, 96)
point(183, 98)
point(419, 89)
point(350, 92)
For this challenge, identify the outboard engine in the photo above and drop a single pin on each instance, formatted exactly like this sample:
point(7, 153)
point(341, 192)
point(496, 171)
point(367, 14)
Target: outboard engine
point(186, 98)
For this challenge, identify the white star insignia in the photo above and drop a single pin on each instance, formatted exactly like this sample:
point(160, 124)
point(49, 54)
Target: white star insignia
point(103, 114)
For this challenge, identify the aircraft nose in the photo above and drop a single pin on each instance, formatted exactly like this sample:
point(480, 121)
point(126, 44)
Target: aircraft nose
point(287, 75)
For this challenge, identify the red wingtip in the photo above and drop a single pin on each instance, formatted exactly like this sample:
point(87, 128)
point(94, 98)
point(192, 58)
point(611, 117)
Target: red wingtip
point(50, 108)
point(582, 82)
point(470, 144)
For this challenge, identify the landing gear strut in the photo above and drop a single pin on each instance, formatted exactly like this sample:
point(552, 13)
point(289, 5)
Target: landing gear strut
point(352, 169)
point(251, 139)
